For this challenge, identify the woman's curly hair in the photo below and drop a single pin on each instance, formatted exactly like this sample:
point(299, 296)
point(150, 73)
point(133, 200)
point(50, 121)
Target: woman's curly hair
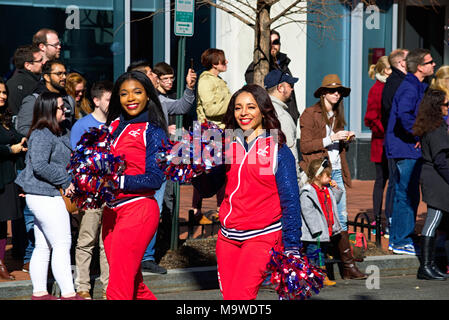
point(270, 120)
point(429, 115)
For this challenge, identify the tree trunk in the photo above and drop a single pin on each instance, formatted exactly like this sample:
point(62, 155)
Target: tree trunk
point(262, 44)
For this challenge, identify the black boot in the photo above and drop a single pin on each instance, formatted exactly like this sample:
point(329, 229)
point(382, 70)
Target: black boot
point(434, 265)
point(426, 270)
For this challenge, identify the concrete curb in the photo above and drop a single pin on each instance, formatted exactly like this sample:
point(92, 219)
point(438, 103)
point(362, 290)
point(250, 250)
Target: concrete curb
point(202, 278)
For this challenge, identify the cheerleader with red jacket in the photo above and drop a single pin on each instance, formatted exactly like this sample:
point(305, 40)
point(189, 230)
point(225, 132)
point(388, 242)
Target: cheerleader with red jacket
point(138, 128)
point(261, 209)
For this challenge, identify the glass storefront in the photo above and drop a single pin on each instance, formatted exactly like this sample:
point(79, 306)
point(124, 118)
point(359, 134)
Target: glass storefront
point(94, 48)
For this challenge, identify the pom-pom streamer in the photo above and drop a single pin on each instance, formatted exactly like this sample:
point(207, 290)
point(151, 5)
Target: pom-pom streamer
point(295, 277)
point(194, 154)
point(94, 169)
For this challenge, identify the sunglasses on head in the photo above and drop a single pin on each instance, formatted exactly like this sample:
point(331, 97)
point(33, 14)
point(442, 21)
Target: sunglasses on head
point(324, 165)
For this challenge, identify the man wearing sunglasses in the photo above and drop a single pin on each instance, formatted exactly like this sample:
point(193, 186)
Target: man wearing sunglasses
point(278, 61)
point(28, 62)
point(404, 148)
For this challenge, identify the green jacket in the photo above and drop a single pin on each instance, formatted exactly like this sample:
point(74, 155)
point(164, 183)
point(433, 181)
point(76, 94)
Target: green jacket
point(213, 98)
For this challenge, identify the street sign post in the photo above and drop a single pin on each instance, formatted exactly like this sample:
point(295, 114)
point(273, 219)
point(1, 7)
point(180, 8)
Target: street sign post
point(184, 26)
point(184, 17)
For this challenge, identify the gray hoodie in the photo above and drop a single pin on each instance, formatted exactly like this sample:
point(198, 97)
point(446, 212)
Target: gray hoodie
point(314, 222)
point(46, 160)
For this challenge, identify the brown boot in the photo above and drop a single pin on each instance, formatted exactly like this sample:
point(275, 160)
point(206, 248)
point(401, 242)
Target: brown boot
point(350, 270)
point(4, 274)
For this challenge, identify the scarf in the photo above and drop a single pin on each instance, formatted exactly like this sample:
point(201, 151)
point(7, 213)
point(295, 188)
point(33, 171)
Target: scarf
point(326, 205)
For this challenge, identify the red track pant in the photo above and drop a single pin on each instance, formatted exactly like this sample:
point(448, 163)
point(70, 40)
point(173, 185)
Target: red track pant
point(242, 264)
point(127, 231)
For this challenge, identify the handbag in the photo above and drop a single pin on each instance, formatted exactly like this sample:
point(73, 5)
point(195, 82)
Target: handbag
point(69, 204)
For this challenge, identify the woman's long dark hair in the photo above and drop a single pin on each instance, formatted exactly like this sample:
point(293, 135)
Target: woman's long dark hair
point(44, 113)
point(338, 110)
point(429, 115)
point(5, 113)
point(156, 115)
point(270, 120)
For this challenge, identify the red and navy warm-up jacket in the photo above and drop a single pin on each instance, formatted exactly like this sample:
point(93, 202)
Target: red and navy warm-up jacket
point(261, 194)
point(139, 141)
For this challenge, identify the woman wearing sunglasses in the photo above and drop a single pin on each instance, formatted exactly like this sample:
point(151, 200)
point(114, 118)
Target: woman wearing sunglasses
point(323, 135)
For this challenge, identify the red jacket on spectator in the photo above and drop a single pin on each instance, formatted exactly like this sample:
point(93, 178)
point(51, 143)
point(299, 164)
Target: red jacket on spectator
point(373, 120)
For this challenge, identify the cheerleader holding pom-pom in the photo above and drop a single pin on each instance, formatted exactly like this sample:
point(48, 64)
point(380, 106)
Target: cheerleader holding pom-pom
point(260, 215)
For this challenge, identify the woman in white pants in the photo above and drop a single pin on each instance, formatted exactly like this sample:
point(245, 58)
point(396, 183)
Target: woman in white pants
point(44, 175)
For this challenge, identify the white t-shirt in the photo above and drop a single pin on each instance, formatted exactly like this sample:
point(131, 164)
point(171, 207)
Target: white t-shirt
point(333, 148)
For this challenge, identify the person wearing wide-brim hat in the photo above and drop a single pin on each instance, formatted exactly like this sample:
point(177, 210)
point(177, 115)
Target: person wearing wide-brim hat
point(323, 135)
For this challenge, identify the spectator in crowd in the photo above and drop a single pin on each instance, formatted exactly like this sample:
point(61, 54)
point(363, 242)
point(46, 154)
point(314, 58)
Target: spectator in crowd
point(130, 222)
point(53, 80)
point(76, 87)
point(213, 99)
point(319, 212)
point(373, 119)
point(166, 77)
point(398, 72)
point(90, 226)
point(12, 146)
point(28, 62)
point(48, 42)
point(441, 80)
point(43, 180)
point(280, 87)
point(54, 77)
point(433, 133)
point(278, 61)
point(265, 213)
point(323, 135)
point(170, 107)
point(404, 148)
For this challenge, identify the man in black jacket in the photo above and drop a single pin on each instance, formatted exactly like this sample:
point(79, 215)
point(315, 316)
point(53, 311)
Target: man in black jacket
point(399, 71)
point(28, 62)
point(278, 60)
point(54, 76)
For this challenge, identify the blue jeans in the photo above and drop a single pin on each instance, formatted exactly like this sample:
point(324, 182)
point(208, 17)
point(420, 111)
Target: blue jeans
point(389, 197)
point(316, 259)
point(406, 201)
point(29, 225)
point(28, 217)
point(341, 205)
point(159, 196)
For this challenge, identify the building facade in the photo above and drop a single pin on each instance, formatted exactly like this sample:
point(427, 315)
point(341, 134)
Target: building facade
point(100, 38)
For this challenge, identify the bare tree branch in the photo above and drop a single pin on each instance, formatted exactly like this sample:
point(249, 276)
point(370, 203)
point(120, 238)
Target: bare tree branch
point(229, 11)
point(239, 9)
point(285, 11)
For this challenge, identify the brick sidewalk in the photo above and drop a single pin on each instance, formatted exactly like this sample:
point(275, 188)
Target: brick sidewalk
point(359, 198)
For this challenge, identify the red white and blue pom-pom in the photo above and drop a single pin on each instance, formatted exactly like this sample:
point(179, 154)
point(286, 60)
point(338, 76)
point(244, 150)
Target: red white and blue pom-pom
point(197, 151)
point(295, 277)
point(94, 169)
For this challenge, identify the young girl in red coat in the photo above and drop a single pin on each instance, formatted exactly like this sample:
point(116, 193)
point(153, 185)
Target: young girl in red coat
point(379, 71)
point(138, 128)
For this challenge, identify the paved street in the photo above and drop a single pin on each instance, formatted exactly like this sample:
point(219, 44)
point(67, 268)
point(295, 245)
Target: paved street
point(390, 288)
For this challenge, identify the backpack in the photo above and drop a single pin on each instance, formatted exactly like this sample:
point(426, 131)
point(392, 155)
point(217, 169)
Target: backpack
point(358, 244)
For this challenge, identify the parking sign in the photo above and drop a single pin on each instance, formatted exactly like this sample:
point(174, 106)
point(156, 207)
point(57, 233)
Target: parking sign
point(184, 17)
